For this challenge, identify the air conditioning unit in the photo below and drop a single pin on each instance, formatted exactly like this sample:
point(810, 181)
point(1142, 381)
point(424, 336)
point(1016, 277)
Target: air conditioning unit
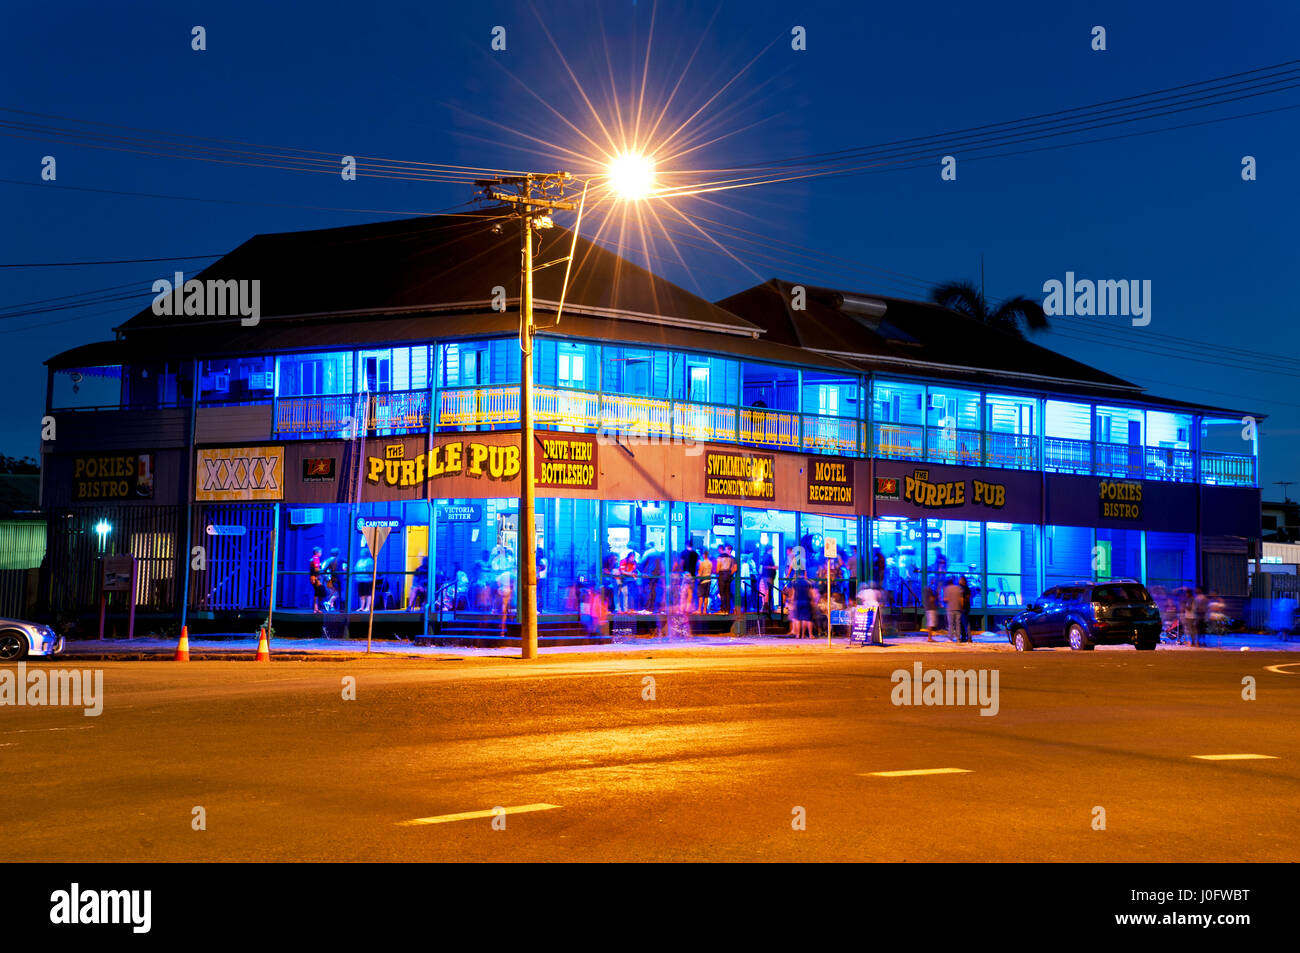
point(261, 380)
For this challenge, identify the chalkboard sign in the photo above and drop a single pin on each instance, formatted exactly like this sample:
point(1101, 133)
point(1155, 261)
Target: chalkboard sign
point(864, 620)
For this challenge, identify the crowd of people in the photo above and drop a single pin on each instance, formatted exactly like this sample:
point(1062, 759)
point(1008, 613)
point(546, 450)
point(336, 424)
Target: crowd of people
point(1191, 614)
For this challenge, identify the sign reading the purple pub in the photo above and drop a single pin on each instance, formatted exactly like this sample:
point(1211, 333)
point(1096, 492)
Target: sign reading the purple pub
point(740, 476)
point(903, 489)
point(830, 481)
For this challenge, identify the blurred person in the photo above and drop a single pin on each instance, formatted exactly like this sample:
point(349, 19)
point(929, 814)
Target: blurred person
point(931, 613)
point(314, 578)
point(705, 578)
point(965, 609)
point(726, 570)
point(652, 572)
point(1200, 604)
point(952, 601)
point(690, 569)
point(801, 607)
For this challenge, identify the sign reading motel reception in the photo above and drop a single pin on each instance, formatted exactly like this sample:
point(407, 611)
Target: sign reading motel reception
point(830, 481)
point(739, 476)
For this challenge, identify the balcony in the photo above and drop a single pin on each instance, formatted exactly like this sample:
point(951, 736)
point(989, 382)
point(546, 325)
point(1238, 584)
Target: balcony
point(1011, 451)
point(561, 408)
point(1227, 469)
point(898, 441)
point(952, 446)
point(387, 414)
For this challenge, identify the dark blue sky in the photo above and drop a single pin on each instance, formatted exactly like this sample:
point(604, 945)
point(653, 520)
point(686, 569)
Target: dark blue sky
point(419, 82)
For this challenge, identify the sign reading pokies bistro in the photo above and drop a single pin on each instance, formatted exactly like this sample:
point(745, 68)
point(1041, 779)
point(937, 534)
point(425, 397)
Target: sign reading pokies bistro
point(566, 460)
point(1120, 499)
point(116, 476)
point(739, 476)
point(830, 481)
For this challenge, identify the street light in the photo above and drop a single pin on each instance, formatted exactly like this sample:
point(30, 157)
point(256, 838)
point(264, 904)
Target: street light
point(631, 176)
point(103, 528)
point(534, 197)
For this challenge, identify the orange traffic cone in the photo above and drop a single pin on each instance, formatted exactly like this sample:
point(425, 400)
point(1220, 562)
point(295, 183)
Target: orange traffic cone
point(183, 647)
point(263, 648)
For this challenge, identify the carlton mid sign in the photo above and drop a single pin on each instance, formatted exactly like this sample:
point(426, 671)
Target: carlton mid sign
point(458, 458)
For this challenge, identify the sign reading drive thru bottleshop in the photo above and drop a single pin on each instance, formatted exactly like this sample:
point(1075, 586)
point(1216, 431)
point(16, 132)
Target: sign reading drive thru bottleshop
point(566, 461)
point(455, 458)
point(740, 476)
point(830, 481)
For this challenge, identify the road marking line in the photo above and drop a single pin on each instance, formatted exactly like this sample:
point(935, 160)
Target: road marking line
point(28, 731)
point(913, 773)
point(1278, 668)
point(470, 815)
point(1234, 757)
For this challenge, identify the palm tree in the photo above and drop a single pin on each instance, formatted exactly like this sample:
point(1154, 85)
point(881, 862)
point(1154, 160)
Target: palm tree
point(1013, 315)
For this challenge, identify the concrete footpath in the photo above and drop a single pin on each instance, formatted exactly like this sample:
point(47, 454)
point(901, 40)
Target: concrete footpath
point(244, 647)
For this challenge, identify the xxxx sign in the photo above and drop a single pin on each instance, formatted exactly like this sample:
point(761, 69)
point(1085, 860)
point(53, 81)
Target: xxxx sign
point(240, 473)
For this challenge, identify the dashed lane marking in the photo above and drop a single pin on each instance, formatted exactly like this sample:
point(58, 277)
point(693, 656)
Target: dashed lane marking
point(1235, 757)
point(471, 815)
point(27, 731)
point(914, 772)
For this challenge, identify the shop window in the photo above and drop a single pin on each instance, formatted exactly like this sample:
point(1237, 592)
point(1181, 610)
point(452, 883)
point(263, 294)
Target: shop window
point(478, 363)
point(702, 379)
point(830, 395)
point(636, 372)
point(896, 402)
point(563, 363)
point(146, 386)
point(85, 387)
point(1119, 425)
point(769, 387)
point(1118, 554)
point(954, 549)
point(1171, 560)
point(1068, 443)
point(1067, 554)
point(237, 380)
point(902, 549)
point(395, 581)
point(1011, 578)
point(1011, 431)
point(326, 372)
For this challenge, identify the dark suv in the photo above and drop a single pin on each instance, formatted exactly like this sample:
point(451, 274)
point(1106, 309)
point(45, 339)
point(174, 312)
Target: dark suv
point(1086, 614)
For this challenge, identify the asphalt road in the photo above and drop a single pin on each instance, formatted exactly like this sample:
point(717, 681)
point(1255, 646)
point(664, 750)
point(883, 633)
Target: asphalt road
point(713, 768)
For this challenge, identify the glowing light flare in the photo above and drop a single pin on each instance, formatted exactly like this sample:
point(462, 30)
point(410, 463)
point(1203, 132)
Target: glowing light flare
point(631, 176)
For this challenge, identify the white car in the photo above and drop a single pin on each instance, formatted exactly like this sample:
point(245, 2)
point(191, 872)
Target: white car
point(20, 639)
